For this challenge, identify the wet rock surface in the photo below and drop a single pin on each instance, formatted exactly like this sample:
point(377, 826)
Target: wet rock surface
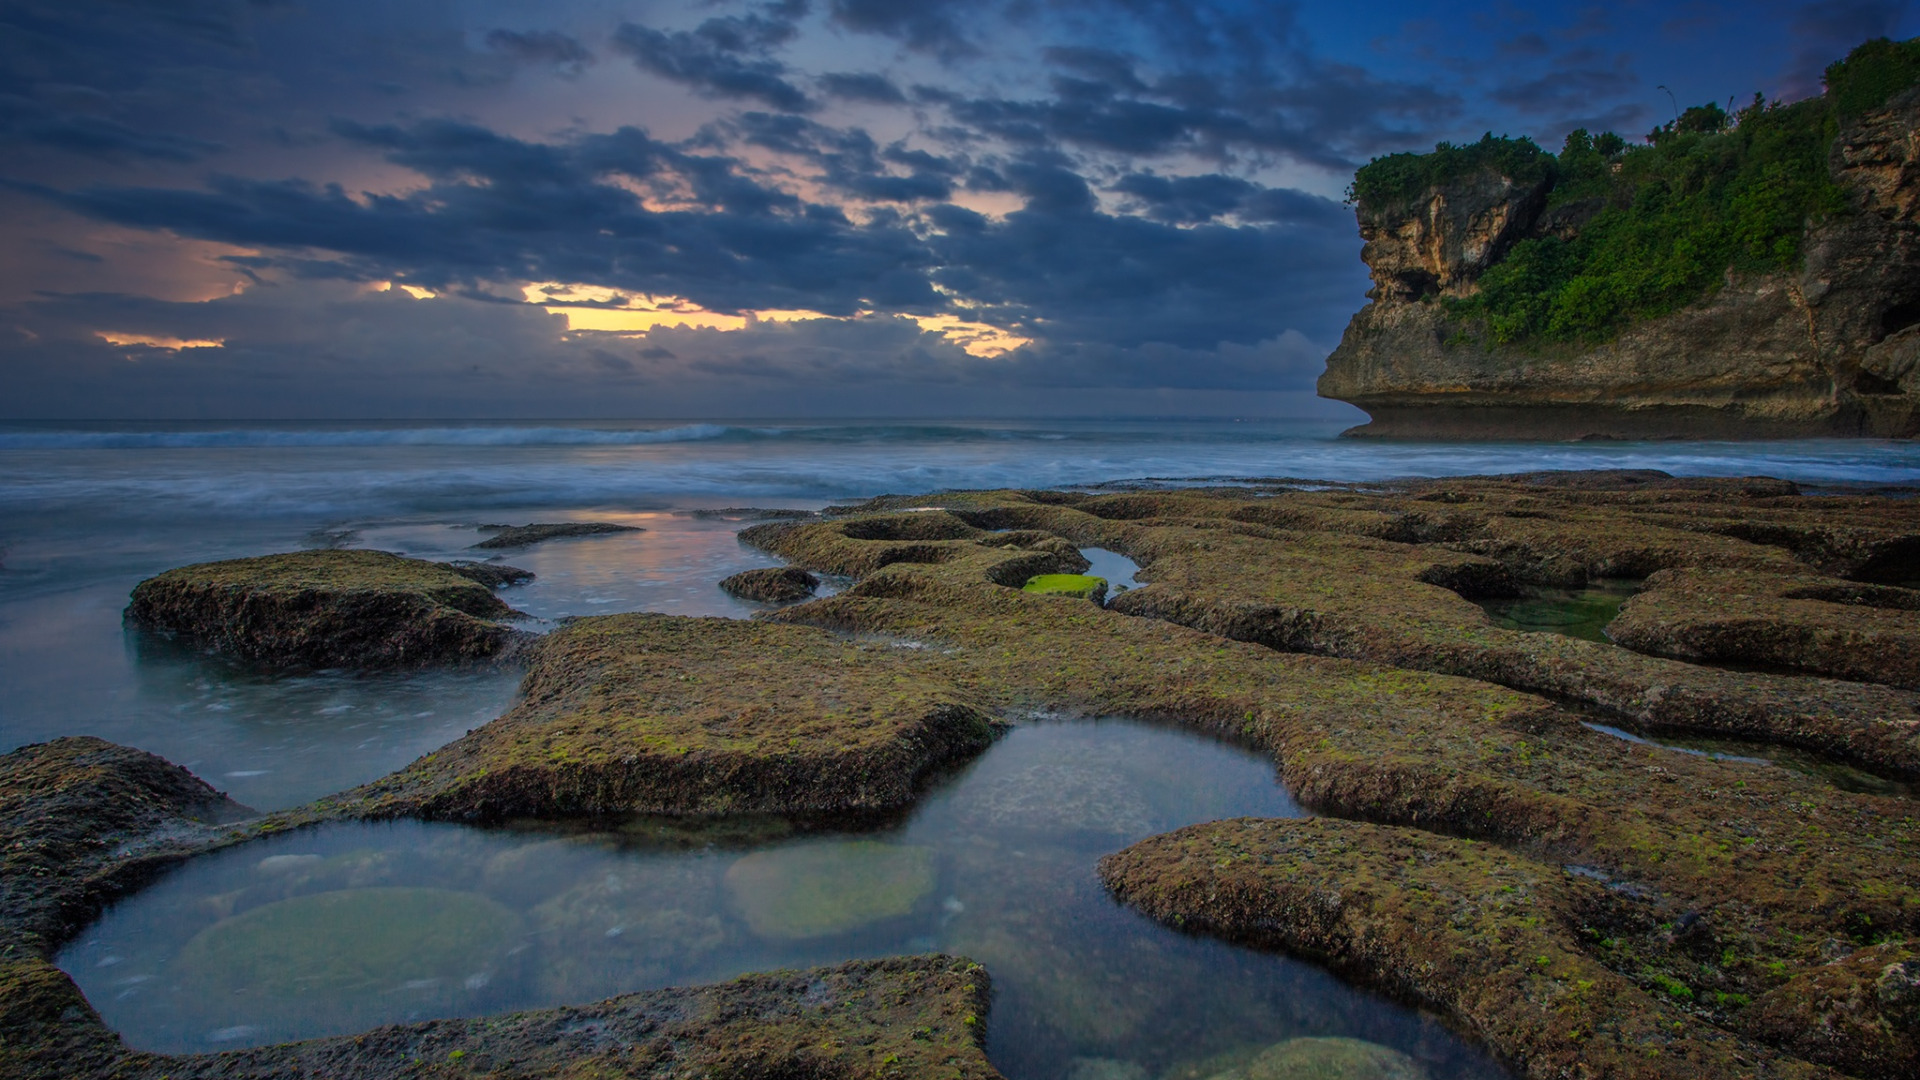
point(1480, 933)
point(1847, 630)
point(1574, 899)
point(663, 714)
point(330, 608)
point(492, 575)
point(519, 536)
point(910, 1016)
point(771, 585)
point(83, 821)
point(1311, 1059)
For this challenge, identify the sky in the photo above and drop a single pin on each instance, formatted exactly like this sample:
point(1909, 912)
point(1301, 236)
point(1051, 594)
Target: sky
point(285, 209)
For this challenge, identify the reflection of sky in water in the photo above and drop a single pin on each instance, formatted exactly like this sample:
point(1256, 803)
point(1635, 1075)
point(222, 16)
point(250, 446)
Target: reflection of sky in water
point(1113, 566)
point(275, 740)
point(996, 863)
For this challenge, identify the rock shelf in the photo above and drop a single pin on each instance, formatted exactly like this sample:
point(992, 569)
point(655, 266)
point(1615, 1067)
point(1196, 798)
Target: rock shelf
point(1573, 899)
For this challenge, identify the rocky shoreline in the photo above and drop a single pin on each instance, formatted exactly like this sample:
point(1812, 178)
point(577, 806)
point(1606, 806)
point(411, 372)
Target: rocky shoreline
point(1571, 899)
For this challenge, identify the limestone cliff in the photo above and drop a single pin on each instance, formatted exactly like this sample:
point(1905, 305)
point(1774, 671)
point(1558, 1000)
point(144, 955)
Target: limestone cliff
point(1832, 348)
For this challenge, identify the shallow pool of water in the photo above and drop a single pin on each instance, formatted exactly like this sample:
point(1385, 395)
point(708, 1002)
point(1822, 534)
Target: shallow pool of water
point(1115, 567)
point(1580, 613)
point(1827, 770)
point(339, 928)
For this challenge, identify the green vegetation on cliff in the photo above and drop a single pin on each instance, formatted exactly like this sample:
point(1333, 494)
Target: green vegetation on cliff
point(1638, 231)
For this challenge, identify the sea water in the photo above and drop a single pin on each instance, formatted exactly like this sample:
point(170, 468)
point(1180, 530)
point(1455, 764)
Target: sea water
point(87, 511)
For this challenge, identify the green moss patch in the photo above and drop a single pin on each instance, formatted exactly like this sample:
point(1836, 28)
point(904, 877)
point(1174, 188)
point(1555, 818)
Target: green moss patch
point(1084, 586)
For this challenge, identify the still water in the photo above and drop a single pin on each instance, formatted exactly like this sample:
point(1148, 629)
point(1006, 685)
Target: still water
point(274, 739)
point(343, 927)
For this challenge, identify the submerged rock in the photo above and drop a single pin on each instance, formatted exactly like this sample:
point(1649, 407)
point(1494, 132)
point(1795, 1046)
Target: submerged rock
point(492, 575)
point(817, 890)
point(1316, 1059)
point(772, 585)
point(329, 608)
point(519, 536)
point(311, 963)
point(628, 927)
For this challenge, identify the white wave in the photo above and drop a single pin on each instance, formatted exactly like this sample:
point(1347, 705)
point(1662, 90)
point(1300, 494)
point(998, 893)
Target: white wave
point(321, 437)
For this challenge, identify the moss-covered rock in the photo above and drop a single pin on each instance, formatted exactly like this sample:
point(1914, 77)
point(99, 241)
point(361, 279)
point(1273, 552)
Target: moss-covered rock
point(1859, 1013)
point(1733, 875)
point(669, 715)
point(817, 890)
point(519, 536)
point(862, 1020)
point(1082, 586)
point(492, 575)
point(82, 821)
point(1823, 626)
point(771, 585)
point(329, 608)
point(1490, 939)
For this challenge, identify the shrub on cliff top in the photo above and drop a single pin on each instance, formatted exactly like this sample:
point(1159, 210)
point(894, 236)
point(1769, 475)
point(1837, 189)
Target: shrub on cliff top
point(1710, 193)
point(1872, 74)
point(1398, 180)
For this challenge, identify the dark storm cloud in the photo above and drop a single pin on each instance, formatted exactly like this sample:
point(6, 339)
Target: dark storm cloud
point(1528, 44)
point(1222, 79)
point(930, 26)
point(33, 123)
point(728, 56)
point(1101, 65)
point(500, 209)
point(849, 159)
point(863, 86)
point(541, 47)
point(1077, 275)
point(1195, 199)
point(1575, 82)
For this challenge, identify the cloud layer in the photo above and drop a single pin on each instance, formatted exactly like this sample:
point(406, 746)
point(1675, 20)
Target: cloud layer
point(1144, 192)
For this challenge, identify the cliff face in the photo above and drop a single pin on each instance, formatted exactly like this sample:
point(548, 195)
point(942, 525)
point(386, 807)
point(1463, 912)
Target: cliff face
point(1833, 349)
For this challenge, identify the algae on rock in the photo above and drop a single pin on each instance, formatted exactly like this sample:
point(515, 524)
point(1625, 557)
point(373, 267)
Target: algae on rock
point(329, 608)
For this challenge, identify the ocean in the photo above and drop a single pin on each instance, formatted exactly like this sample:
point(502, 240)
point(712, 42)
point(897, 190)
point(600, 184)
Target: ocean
point(88, 510)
